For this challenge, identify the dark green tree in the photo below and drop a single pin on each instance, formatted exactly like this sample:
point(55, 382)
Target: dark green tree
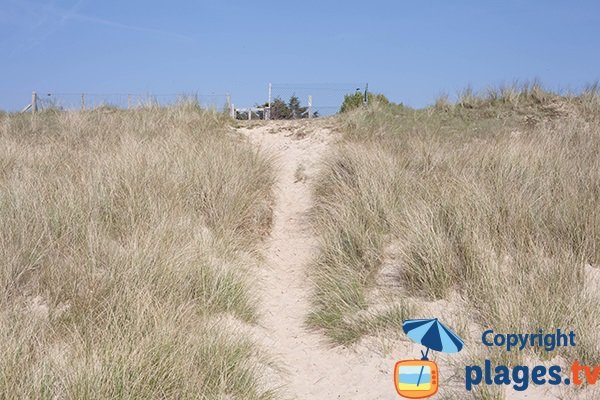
point(291, 110)
point(280, 110)
point(296, 110)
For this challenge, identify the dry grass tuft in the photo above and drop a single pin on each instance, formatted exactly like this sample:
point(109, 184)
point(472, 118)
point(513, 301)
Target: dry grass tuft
point(125, 242)
point(500, 211)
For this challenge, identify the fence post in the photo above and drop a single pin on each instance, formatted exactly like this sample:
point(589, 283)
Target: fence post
point(249, 114)
point(227, 103)
point(309, 106)
point(82, 102)
point(269, 113)
point(366, 99)
point(128, 101)
point(33, 102)
point(233, 111)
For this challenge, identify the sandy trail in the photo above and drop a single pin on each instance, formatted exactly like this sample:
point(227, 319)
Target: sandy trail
point(314, 370)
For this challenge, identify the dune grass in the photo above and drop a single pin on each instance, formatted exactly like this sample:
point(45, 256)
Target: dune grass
point(126, 239)
point(493, 199)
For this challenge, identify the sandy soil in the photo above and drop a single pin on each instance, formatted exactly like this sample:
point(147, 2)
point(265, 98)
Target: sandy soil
point(314, 369)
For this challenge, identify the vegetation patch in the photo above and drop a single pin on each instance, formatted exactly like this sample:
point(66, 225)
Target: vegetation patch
point(492, 199)
point(126, 243)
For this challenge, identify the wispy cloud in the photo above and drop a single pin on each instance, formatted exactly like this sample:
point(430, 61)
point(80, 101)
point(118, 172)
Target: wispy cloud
point(38, 21)
point(115, 24)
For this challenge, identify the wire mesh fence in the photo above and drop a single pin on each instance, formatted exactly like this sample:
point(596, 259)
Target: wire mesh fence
point(318, 99)
point(286, 101)
point(90, 101)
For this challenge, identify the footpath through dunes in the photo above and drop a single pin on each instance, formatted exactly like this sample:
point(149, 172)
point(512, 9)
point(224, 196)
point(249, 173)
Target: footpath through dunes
point(312, 368)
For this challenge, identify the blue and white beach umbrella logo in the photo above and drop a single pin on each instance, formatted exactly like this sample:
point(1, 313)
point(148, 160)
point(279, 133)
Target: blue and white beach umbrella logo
point(418, 379)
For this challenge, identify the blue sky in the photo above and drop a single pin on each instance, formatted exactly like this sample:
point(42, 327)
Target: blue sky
point(411, 51)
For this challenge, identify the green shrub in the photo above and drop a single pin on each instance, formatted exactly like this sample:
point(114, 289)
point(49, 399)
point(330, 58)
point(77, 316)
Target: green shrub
point(355, 100)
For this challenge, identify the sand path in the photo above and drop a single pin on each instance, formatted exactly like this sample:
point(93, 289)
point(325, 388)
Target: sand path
point(313, 368)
